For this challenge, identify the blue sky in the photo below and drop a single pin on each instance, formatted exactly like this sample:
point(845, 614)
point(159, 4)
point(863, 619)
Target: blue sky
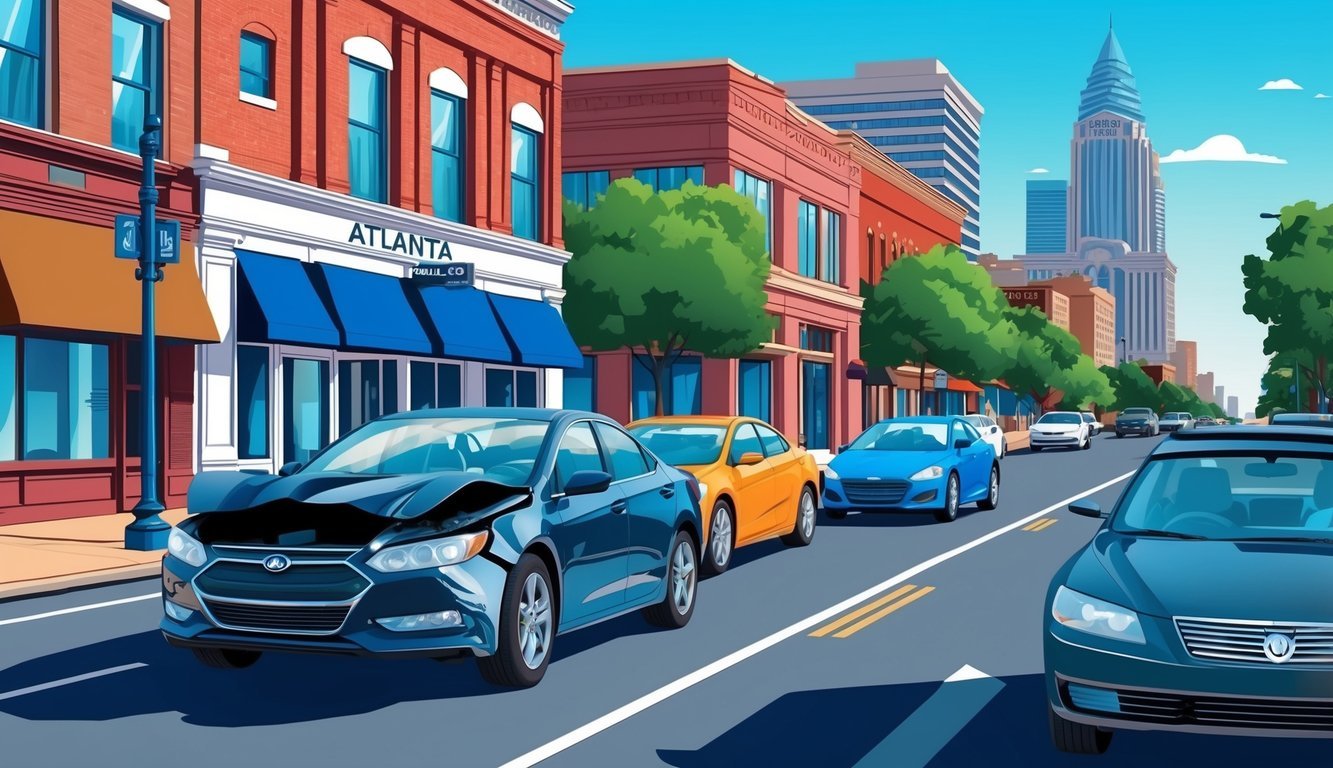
point(1199, 68)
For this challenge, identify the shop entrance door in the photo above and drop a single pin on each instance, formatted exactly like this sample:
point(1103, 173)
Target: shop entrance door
point(305, 408)
point(815, 404)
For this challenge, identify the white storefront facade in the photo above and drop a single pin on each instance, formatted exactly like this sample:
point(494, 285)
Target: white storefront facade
point(331, 313)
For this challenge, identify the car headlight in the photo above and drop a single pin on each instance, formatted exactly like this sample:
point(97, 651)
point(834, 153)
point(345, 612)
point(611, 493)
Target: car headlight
point(431, 553)
point(185, 547)
point(1088, 614)
point(703, 490)
point(830, 473)
point(929, 473)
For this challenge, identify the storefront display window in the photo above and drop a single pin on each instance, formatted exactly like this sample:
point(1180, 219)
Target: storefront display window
point(754, 391)
point(367, 389)
point(252, 396)
point(681, 390)
point(66, 400)
point(305, 407)
point(435, 385)
point(581, 385)
point(8, 403)
point(508, 388)
point(815, 404)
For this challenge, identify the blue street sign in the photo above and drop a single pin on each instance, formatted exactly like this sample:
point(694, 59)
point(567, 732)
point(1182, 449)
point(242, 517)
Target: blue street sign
point(168, 239)
point(448, 273)
point(127, 236)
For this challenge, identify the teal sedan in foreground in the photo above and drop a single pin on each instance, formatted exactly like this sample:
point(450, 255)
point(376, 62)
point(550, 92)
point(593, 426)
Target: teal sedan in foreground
point(1201, 604)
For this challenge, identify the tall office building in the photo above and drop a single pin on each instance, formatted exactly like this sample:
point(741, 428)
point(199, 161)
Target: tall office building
point(1186, 361)
point(1117, 211)
point(1220, 395)
point(1204, 386)
point(1046, 211)
point(1233, 406)
point(919, 115)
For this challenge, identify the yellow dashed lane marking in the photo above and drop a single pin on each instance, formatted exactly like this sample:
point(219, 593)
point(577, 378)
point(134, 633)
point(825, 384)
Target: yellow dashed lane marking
point(851, 623)
point(1041, 525)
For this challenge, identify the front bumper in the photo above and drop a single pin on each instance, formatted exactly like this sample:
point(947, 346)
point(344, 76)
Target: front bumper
point(1043, 440)
point(472, 588)
point(1158, 686)
point(1133, 429)
point(883, 495)
point(1169, 427)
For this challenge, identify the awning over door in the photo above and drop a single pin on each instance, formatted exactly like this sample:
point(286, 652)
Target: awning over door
point(466, 324)
point(61, 274)
point(278, 304)
point(374, 311)
point(537, 332)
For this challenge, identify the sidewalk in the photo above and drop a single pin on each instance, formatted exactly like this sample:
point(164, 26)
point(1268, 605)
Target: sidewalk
point(1012, 441)
point(55, 555)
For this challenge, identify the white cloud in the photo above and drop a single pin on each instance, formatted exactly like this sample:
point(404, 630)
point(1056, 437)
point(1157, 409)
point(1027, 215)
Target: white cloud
point(1038, 170)
point(1321, 96)
point(1284, 84)
point(1221, 148)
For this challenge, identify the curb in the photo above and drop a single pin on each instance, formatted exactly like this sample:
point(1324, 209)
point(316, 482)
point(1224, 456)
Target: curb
point(56, 585)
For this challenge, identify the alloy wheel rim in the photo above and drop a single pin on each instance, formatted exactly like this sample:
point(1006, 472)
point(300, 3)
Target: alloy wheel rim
point(682, 578)
point(994, 486)
point(807, 515)
point(953, 497)
point(534, 621)
point(721, 540)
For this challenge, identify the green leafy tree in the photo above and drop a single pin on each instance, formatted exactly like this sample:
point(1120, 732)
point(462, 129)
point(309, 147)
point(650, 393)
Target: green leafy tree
point(1132, 387)
point(663, 273)
point(1048, 364)
point(937, 309)
point(1291, 292)
point(1276, 385)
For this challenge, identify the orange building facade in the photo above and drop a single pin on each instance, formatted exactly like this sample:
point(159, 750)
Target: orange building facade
point(1091, 316)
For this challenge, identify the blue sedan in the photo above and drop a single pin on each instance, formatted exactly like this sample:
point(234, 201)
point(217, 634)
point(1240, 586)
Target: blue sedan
point(436, 533)
point(923, 463)
point(1199, 605)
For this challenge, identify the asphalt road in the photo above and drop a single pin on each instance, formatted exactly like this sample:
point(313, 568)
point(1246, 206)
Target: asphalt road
point(833, 655)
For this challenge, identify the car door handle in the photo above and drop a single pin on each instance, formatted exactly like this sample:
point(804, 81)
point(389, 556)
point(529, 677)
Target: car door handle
point(619, 507)
point(667, 491)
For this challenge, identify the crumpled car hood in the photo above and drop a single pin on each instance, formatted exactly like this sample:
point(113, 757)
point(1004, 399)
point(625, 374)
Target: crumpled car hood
point(398, 497)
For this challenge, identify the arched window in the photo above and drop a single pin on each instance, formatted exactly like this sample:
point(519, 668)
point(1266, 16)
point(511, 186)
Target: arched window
point(524, 170)
point(369, 64)
point(448, 132)
point(256, 64)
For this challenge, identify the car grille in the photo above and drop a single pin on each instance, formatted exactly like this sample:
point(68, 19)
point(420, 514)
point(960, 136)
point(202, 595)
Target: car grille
point(1224, 640)
point(301, 619)
point(1200, 709)
point(302, 582)
point(874, 491)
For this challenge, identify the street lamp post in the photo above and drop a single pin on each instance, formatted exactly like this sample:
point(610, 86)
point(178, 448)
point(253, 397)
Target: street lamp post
point(1124, 351)
point(148, 531)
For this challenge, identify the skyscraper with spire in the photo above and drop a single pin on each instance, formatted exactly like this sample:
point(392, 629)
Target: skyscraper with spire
point(1116, 233)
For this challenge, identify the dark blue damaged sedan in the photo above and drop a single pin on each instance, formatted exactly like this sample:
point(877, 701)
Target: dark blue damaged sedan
point(438, 533)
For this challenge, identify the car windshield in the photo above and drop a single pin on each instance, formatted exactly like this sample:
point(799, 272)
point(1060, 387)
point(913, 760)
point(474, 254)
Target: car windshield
point(976, 421)
point(501, 449)
point(1060, 418)
point(902, 436)
point(1231, 498)
point(682, 444)
point(1088, 417)
point(1135, 412)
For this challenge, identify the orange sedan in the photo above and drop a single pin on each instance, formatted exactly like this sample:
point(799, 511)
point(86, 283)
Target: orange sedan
point(754, 485)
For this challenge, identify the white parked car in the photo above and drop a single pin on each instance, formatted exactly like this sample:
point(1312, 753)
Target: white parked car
point(1090, 419)
point(1060, 429)
point(990, 432)
point(1174, 421)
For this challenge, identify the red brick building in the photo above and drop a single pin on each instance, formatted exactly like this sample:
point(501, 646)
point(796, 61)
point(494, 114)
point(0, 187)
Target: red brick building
point(341, 146)
point(70, 374)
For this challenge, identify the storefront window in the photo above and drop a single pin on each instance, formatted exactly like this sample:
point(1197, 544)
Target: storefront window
point(252, 401)
point(435, 385)
point(305, 407)
point(754, 389)
point(581, 385)
point(509, 388)
point(359, 393)
point(815, 404)
point(8, 403)
point(66, 400)
point(681, 390)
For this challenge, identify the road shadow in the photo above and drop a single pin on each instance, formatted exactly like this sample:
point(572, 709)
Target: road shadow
point(892, 519)
point(836, 728)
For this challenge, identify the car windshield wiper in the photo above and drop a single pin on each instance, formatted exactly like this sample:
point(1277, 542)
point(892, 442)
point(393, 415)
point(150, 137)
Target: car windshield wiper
point(1303, 539)
point(1170, 535)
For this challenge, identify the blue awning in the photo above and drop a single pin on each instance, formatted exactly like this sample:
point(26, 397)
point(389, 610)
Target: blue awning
point(374, 311)
point(466, 324)
point(277, 303)
point(537, 332)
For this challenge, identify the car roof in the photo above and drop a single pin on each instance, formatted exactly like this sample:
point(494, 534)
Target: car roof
point(705, 421)
point(1075, 413)
point(535, 414)
point(1246, 437)
point(921, 420)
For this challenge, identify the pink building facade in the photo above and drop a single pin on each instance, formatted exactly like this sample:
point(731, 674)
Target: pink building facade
point(717, 123)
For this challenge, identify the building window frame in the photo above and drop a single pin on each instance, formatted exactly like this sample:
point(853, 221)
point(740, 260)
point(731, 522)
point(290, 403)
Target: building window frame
point(653, 176)
point(375, 188)
point(830, 250)
point(526, 182)
point(586, 187)
point(516, 374)
point(760, 192)
point(414, 364)
point(8, 110)
point(264, 76)
point(386, 386)
point(442, 156)
point(151, 87)
point(807, 239)
point(246, 430)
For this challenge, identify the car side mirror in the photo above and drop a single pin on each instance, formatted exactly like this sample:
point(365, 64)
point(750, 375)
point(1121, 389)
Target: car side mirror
point(587, 481)
point(749, 459)
point(1086, 508)
point(962, 443)
point(289, 468)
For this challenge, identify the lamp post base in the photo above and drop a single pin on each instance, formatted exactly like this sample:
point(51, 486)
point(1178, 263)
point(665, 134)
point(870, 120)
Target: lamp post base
point(148, 532)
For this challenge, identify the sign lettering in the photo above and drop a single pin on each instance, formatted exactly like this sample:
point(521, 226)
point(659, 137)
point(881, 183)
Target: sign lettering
point(407, 244)
point(451, 274)
point(1104, 127)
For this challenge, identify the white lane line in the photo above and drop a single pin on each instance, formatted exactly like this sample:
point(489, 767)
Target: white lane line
point(633, 708)
point(79, 608)
point(70, 680)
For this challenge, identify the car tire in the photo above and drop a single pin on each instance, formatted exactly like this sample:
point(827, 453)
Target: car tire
point(512, 666)
point(1077, 738)
point(226, 658)
point(1004, 448)
point(722, 534)
point(806, 513)
point(1035, 448)
point(992, 499)
point(682, 586)
point(1087, 442)
point(949, 512)
point(835, 514)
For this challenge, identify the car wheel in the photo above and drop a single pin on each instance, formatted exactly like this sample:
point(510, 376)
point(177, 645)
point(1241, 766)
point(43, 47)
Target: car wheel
point(1035, 448)
point(526, 627)
point(835, 514)
point(804, 531)
point(992, 499)
point(677, 606)
point(226, 658)
point(949, 512)
point(721, 539)
point(1087, 442)
point(1077, 738)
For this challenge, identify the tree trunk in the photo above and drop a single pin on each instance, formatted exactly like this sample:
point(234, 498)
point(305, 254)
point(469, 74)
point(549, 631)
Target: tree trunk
point(657, 384)
point(1322, 371)
point(921, 389)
